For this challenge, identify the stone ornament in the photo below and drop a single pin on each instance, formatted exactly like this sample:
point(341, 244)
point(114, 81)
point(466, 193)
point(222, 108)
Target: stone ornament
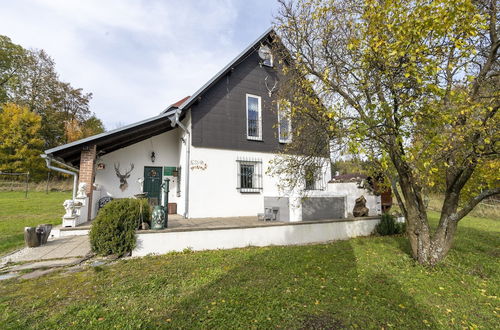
point(69, 206)
point(360, 209)
point(141, 184)
point(82, 190)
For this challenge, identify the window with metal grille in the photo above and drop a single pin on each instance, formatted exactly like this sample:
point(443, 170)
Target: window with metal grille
point(314, 179)
point(254, 117)
point(249, 175)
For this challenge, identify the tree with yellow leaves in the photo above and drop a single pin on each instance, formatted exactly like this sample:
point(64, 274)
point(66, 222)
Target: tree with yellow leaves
point(413, 85)
point(21, 142)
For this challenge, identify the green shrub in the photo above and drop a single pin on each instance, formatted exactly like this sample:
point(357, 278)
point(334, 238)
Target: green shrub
point(389, 226)
point(400, 228)
point(113, 230)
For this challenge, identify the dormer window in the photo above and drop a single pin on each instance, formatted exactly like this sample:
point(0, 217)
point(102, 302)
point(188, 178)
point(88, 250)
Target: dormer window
point(254, 117)
point(284, 122)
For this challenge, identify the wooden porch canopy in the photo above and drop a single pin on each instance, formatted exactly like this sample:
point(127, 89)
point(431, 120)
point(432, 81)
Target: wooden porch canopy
point(113, 140)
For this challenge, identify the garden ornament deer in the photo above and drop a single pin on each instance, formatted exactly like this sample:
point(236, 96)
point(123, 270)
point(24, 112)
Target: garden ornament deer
point(123, 177)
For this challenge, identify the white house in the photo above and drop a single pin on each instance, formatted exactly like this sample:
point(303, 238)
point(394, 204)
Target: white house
point(214, 146)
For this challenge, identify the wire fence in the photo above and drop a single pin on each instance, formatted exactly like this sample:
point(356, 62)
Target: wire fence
point(10, 181)
point(489, 208)
point(17, 181)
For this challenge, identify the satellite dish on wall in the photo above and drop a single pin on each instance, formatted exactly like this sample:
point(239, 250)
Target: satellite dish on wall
point(266, 55)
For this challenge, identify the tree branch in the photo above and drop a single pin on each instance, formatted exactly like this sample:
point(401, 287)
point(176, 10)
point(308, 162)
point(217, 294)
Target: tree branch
point(398, 197)
point(473, 202)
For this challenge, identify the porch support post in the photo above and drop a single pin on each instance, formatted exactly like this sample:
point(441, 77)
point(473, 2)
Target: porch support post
point(87, 172)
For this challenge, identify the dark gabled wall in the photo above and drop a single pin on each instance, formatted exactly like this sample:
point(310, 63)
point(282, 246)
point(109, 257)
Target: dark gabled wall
point(219, 117)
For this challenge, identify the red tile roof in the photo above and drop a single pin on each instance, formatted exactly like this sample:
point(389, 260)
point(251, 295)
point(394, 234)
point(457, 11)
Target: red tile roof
point(349, 177)
point(178, 103)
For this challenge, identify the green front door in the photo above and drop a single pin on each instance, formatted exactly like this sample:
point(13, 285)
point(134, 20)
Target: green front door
point(152, 184)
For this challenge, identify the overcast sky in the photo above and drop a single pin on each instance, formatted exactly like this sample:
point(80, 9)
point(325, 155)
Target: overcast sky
point(136, 57)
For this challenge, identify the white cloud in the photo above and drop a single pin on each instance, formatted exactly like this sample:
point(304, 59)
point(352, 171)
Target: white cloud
point(136, 57)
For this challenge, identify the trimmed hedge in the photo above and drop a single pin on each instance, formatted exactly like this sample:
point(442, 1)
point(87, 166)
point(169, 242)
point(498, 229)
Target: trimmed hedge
point(389, 226)
point(113, 230)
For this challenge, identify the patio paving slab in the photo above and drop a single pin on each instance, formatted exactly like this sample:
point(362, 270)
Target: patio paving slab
point(47, 264)
point(63, 247)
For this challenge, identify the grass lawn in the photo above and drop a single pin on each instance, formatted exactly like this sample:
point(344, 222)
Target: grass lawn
point(361, 283)
point(17, 212)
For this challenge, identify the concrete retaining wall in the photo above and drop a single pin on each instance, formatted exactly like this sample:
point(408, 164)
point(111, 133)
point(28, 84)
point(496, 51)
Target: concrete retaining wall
point(286, 234)
point(321, 208)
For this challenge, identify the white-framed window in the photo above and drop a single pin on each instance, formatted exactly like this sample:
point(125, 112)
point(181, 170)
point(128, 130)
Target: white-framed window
point(284, 122)
point(254, 117)
point(249, 175)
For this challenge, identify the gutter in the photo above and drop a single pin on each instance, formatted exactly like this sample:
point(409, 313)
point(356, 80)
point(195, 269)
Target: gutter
point(174, 120)
point(74, 171)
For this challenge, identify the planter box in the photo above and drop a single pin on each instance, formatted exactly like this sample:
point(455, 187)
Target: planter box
point(172, 208)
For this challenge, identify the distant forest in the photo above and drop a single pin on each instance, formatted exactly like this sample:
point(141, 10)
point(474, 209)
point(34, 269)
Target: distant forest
point(37, 110)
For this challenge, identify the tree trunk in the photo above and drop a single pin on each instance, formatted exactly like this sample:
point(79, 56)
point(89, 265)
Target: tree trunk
point(426, 249)
point(419, 236)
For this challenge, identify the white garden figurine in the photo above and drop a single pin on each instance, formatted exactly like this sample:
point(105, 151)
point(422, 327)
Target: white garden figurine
point(69, 206)
point(82, 190)
point(141, 184)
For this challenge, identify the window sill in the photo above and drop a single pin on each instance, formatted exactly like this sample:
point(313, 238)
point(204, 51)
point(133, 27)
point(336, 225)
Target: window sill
point(250, 190)
point(254, 139)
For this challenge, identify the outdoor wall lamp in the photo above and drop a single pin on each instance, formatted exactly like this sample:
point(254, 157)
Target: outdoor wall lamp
point(153, 156)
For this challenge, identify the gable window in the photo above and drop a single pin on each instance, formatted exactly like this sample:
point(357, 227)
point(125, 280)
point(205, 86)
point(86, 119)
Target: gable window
point(254, 117)
point(249, 176)
point(284, 123)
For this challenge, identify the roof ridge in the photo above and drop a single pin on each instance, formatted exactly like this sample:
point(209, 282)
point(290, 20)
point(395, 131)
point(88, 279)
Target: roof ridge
point(224, 70)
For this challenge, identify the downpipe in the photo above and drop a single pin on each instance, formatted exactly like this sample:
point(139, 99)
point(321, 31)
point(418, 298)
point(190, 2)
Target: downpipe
point(74, 171)
point(174, 120)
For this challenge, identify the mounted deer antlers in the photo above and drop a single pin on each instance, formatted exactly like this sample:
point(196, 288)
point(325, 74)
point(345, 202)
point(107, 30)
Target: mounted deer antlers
point(123, 177)
point(271, 90)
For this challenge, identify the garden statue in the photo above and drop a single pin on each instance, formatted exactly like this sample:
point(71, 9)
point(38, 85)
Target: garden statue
point(141, 184)
point(82, 190)
point(360, 209)
point(69, 206)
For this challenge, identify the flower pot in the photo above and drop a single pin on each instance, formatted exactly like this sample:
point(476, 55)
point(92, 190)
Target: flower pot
point(44, 232)
point(30, 237)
